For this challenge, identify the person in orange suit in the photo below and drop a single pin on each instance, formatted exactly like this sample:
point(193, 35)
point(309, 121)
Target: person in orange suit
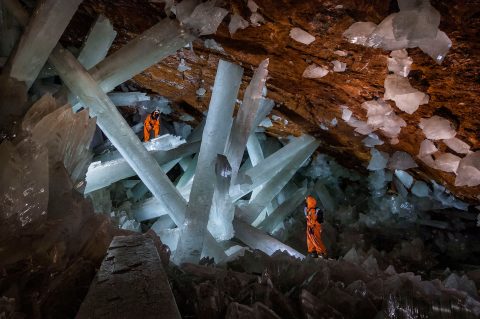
point(314, 228)
point(152, 122)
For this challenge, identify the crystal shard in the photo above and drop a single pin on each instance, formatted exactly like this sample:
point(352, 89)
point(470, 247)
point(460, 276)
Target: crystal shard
point(237, 22)
point(217, 126)
point(426, 148)
point(447, 162)
point(416, 23)
point(407, 98)
point(98, 43)
point(378, 161)
point(44, 29)
point(205, 18)
point(339, 66)
point(437, 128)
point(314, 72)
point(301, 36)
point(437, 48)
point(468, 172)
point(420, 189)
point(383, 36)
point(404, 177)
point(401, 160)
point(399, 62)
point(457, 145)
point(359, 32)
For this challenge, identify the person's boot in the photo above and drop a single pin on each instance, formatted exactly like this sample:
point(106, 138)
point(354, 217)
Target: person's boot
point(314, 254)
point(323, 255)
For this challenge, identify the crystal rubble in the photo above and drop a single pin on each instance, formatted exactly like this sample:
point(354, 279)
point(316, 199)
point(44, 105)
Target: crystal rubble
point(243, 124)
point(416, 26)
point(33, 49)
point(118, 131)
point(407, 98)
point(468, 171)
point(401, 160)
point(399, 62)
point(339, 66)
point(256, 285)
point(457, 145)
point(115, 167)
point(222, 210)
point(314, 72)
point(237, 22)
point(99, 41)
point(437, 128)
point(218, 123)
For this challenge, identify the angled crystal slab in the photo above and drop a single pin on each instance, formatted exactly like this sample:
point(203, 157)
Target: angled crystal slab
point(272, 221)
point(127, 98)
point(244, 122)
point(158, 42)
point(277, 182)
point(324, 196)
point(81, 83)
point(50, 18)
point(215, 133)
point(103, 173)
point(270, 166)
point(99, 41)
point(257, 239)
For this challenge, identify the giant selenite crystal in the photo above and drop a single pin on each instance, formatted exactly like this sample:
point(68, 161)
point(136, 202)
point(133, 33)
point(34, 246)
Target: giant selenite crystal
point(244, 122)
point(98, 42)
point(217, 126)
point(42, 33)
point(118, 132)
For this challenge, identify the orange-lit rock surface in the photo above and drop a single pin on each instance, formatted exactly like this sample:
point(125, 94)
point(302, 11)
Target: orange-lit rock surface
point(454, 86)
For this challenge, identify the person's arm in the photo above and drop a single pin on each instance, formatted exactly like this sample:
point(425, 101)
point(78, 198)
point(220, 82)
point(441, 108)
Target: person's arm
point(305, 211)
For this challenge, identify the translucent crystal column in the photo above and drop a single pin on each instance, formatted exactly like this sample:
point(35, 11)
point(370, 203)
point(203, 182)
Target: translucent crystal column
point(217, 126)
point(49, 20)
point(119, 132)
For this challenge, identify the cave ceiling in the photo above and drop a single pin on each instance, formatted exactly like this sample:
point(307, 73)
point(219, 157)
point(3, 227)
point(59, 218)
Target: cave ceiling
point(453, 86)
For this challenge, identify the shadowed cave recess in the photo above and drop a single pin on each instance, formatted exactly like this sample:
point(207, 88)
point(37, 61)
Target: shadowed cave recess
point(156, 158)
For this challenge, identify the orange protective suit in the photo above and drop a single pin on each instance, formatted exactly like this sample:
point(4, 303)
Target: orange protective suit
point(151, 124)
point(314, 228)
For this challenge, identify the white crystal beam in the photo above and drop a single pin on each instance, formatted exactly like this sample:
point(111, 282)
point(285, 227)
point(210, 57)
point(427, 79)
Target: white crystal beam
point(217, 126)
point(40, 36)
point(81, 83)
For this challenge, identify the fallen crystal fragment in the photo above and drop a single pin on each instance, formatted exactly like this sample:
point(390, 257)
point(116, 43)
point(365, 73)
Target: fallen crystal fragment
point(266, 123)
point(334, 122)
point(426, 148)
point(256, 19)
point(201, 92)
point(205, 18)
point(447, 162)
point(468, 172)
point(407, 98)
point(381, 116)
point(437, 128)
point(457, 145)
point(252, 6)
point(182, 66)
point(420, 189)
point(301, 36)
point(378, 161)
point(346, 114)
point(372, 140)
point(399, 63)
point(360, 126)
point(340, 53)
point(359, 32)
point(436, 48)
point(237, 22)
point(404, 177)
point(416, 23)
point(401, 160)
point(314, 72)
point(213, 45)
point(323, 127)
point(339, 66)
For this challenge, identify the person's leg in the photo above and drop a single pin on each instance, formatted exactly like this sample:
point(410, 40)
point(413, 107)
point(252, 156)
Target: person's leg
point(146, 134)
point(319, 245)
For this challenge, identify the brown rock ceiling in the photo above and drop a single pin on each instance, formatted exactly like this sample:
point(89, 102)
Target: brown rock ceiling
point(454, 86)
